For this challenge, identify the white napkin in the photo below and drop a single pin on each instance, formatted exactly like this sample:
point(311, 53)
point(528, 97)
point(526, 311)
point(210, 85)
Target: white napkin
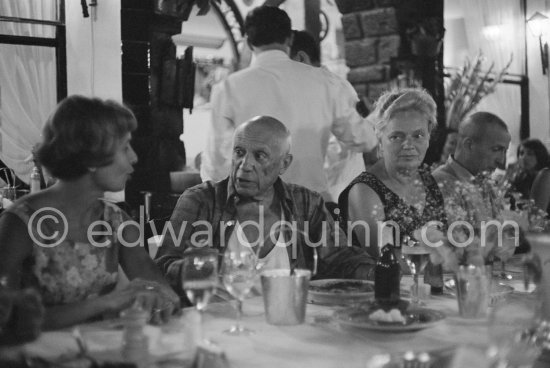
point(52, 345)
point(108, 340)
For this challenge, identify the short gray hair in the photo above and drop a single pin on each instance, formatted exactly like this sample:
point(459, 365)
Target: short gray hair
point(404, 99)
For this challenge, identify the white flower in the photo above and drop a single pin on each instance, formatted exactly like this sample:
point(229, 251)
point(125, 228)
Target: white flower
point(73, 277)
point(90, 262)
point(41, 260)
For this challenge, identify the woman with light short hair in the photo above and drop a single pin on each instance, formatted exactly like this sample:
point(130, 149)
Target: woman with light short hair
point(396, 188)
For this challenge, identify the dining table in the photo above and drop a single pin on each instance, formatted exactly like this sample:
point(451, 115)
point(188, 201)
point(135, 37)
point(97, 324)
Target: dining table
point(321, 341)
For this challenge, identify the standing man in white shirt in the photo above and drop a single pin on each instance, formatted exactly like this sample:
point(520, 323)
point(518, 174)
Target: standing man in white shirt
point(341, 164)
point(311, 101)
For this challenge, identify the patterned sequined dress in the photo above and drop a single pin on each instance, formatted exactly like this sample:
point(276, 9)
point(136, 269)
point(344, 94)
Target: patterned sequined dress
point(408, 217)
point(70, 271)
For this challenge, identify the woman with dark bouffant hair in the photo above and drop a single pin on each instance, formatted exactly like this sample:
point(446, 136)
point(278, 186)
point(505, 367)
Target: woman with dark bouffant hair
point(66, 241)
point(534, 161)
point(532, 157)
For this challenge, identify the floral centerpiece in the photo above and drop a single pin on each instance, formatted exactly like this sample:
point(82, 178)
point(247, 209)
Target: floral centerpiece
point(482, 207)
point(468, 86)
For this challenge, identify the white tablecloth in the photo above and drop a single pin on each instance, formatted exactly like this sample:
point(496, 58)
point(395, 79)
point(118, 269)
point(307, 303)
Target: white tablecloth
point(319, 342)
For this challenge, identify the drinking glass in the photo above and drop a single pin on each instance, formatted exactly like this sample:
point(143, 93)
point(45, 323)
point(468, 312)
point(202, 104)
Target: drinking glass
point(416, 256)
point(513, 333)
point(238, 272)
point(199, 276)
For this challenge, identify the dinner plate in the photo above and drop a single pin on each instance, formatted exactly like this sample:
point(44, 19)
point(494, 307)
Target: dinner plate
point(340, 291)
point(415, 319)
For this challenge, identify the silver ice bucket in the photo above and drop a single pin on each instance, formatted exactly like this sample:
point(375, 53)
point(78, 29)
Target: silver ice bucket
point(285, 296)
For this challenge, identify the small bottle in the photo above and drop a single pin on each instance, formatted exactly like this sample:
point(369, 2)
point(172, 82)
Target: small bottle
point(135, 346)
point(387, 275)
point(35, 179)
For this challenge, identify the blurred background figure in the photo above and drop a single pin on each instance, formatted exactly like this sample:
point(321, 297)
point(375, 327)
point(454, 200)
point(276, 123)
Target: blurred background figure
point(532, 158)
point(451, 138)
point(304, 49)
point(341, 164)
point(540, 190)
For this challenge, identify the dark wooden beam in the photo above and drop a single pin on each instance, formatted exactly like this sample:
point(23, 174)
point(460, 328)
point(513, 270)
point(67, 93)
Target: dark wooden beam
point(28, 41)
point(312, 17)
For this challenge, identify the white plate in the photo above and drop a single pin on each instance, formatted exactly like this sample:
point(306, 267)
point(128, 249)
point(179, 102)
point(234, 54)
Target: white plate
point(415, 319)
point(340, 291)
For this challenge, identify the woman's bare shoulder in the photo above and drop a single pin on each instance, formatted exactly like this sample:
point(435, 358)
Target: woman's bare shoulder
point(544, 173)
point(41, 199)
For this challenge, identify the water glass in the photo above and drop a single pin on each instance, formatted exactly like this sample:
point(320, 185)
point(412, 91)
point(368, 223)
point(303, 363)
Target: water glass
point(199, 275)
point(472, 291)
point(239, 271)
point(513, 333)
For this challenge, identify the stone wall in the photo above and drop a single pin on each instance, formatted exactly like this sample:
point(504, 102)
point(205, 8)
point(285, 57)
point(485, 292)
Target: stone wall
point(376, 43)
point(372, 39)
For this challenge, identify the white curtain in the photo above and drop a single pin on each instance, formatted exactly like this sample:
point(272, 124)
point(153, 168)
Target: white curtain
point(496, 27)
point(27, 83)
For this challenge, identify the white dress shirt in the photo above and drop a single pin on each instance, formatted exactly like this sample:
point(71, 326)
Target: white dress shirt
point(311, 102)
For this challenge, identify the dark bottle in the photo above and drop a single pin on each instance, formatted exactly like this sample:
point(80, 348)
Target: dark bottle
point(386, 276)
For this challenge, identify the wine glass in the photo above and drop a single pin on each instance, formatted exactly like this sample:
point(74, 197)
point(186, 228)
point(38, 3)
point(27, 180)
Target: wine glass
point(416, 256)
point(199, 276)
point(239, 271)
point(514, 333)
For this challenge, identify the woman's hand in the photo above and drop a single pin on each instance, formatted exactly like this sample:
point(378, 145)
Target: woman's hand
point(159, 300)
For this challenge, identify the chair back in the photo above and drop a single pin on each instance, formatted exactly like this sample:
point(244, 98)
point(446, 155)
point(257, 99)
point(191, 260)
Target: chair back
point(182, 180)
